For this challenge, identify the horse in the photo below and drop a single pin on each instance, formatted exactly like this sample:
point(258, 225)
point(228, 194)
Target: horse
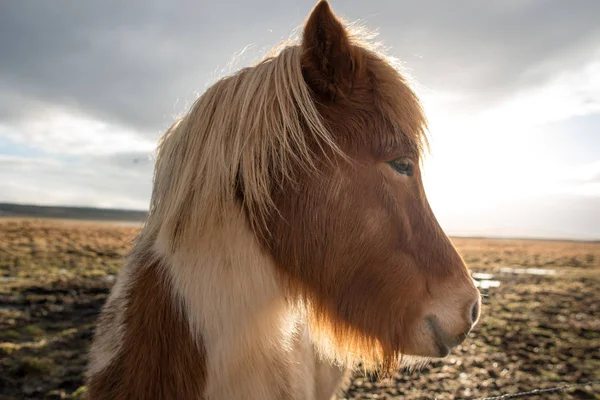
point(289, 238)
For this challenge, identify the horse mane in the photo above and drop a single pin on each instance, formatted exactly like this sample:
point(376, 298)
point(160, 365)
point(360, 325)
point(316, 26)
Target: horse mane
point(241, 131)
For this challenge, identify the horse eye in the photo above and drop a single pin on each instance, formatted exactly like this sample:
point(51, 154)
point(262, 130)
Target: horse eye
point(402, 165)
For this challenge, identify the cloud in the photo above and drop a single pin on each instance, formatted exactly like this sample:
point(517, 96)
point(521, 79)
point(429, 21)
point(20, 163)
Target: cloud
point(59, 132)
point(567, 94)
point(138, 63)
point(127, 63)
point(107, 181)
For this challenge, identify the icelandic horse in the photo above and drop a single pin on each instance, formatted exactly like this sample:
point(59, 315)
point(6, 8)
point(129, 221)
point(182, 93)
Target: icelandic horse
point(289, 237)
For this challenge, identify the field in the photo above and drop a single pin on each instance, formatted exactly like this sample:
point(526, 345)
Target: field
point(540, 324)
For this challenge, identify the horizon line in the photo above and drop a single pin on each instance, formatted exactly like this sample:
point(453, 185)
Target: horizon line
point(465, 234)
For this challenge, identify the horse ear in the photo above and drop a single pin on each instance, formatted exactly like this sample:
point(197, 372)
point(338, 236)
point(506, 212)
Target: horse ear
point(328, 57)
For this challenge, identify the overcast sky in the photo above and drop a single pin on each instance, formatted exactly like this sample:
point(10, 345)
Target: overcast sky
point(511, 87)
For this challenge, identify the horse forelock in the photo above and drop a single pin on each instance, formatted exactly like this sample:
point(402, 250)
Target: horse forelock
point(241, 137)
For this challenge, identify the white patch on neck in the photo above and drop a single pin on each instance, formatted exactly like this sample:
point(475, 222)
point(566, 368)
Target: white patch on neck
point(256, 344)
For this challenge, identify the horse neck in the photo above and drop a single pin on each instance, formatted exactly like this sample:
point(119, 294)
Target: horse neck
point(235, 307)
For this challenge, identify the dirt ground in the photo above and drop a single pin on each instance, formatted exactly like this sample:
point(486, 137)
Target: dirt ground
point(539, 328)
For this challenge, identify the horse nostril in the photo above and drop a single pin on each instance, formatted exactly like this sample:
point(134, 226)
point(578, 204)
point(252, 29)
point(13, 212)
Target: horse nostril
point(475, 312)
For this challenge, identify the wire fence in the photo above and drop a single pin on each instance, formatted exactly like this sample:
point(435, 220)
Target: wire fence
point(537, 392)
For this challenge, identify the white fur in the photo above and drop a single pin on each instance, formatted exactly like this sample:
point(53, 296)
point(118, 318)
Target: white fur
point(257, 343)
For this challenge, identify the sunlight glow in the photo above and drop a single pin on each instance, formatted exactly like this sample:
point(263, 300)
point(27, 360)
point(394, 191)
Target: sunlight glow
point(491, 160)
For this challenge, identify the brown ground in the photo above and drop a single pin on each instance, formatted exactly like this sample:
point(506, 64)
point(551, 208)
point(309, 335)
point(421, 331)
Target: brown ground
point(536, 331)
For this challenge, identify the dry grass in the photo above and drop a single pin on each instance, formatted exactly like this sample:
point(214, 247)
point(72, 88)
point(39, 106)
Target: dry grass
point(537, 331)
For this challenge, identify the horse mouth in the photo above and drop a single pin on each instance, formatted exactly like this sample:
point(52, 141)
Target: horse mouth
point(443, 342)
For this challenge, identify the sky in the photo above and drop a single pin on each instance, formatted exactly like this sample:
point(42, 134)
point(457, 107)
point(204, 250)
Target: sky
point(511, 89)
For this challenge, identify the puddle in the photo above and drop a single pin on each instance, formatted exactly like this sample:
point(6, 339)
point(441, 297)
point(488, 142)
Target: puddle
point(486, 283)
point(527, 271)
point(481, 276)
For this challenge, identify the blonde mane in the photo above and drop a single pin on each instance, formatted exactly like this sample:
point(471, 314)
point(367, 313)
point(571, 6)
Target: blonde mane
point(248, 129)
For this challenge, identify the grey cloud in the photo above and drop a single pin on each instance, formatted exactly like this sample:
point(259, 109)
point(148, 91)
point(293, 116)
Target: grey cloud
point(109, 181)
point(137, 63)
point(129, 62)
point(495, 47)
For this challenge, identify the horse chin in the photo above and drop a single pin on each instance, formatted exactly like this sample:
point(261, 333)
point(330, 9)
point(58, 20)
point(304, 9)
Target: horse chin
point(414, 363)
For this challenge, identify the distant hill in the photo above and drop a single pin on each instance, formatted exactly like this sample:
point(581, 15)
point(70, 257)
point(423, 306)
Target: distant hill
point(80, 213)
